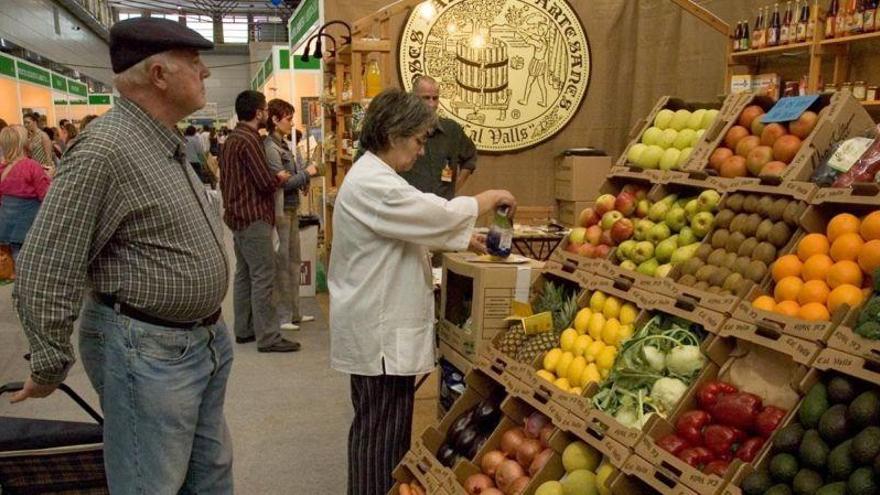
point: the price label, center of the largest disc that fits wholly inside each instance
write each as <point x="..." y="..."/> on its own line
<point x="789" y="108"/>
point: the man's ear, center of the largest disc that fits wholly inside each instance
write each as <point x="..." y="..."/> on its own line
<point x="158" y="73"/>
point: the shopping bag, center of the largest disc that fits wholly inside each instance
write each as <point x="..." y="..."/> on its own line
<point x="7" y="266"/>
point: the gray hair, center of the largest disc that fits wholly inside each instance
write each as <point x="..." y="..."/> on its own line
<point x="423" y="79"/>
<point x="138" y="75"/>
<point x="394" y="114"/>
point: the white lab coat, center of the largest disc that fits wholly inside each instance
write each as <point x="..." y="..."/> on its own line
<point x="381" y="289"/>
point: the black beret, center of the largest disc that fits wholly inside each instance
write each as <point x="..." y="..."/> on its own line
<point x="133" y="40"/>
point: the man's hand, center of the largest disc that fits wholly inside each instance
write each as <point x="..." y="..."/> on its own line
<point x="477" y="244"/>
<point x="282" y="176"/>
<point x="312" y="170"/>
<point x="32" y="390"/>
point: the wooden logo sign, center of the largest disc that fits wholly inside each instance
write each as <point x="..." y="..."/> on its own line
<point x="512" y="72"/>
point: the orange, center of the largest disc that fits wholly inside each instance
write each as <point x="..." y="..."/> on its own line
<point x="814" y="312"/>
<point x="813" y="291"/>
<point x="846" y="247"/>
<point x="845" y="223"/>
<point x="844" y="272"/>
<point x="812" y="244"/>
<point x="869" y="256"/>
<point x="765" y="303"/>
<point x="845" y="294"/>
<point x="788" y="289"/>
<point x="787" y="266"/>
<point x="816" y="267"/>
<point x="787" y="308"/>
<point x="870" y="228"/>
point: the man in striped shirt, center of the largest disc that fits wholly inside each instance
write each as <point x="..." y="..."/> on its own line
<point x="248" y="187"/>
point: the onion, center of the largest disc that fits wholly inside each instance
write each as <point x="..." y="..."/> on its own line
<point x="518" y="487"/>
<point x="527" y="451"/>
<point x="534" y="423"/>
<point x="404" y="489"/>
<point x="477" y="483"/>
<point x="492" y="491"/>
<point x="511" y="439"/>
<point x="508" y="472"/>
<point x="490" y="462"/>
<point x="546" y="432"/>
<point x="539" y="461"/>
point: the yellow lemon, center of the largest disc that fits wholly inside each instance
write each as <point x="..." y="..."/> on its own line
<point x="582" y="319"/>
<point x="567" y="338"/>
<point x="576" y="391"/>
<point x="624" y="333"/>
<point x="591" y="372"/>
<point x="594" y="350"/>
<point x="581" y="344"/>
<point x="604" y="373"/>
<point x="576" y="369"/>
<point x="551" y="359"/>
<point x="605" y="359"/>
<point x="628" y="314"/>
<point x="597" y="322"/>
<point x="564" y="363"/>
<point x="603" y="474"/>
<point x="611" y="308"/>
<point x="563" y="384"/>
<point x="597" y="301"/>
<point x="611" y="332"/>
<point x="546" y="375"/>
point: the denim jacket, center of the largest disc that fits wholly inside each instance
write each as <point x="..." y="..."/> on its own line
<point x="279" y="157"/>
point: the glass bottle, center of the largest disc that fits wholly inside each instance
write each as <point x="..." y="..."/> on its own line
<point x="773" y="32"/>
<point x="803" y="22"/>
<point x="784" y="28"/>
<point x="737" y="37"/>
<point x="870" y="16"/>
<point x="831" y="19"/>
<point x="760" y="34"/>
<point x="499" y="241"/>
<point x="373" y="79"/>
<point x="858" y="17"/>
<point x="746" y="41"/>
<point x="841" y="25"/>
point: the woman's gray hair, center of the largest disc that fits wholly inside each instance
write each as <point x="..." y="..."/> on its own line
<point x="394" y="114"/>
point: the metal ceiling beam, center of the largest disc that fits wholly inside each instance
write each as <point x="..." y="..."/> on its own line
<point x="86" y="18"/>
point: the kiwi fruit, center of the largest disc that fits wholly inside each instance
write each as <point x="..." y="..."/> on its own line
<point x="691" y="266"/>
<point x="714" y="289"/>
<point x="725" y="292"/>
<point x="741" y="264"/>
<point x="764" y="229"/>
<point x="764" y="252"/>
<point x="704" y="251"/>
<point x="778" y="209"/>
<point x="792" y="213"/>
<point x="701" y="285"/>
<point x="719" y="238"/>
<point x="746" y="248"/>
<point x="736" y="225"/>
<point x="717" y="257"/>
<point x="764" y="205"/>
<point x="779" y="234"/>
<point x="756" y="271"/>
<point x="718" y="277"/>
<point x="732" y="282"/>
<point x="723" y="218"/>
<point x="750" y="226"/>
<point x="729" y="261"/>
<point x="735" y="202"/>
<point x="705" y="272"/>
<point x="733" y="241"/>
<point x="688" y="279"/>
<point x="750" y="204"/>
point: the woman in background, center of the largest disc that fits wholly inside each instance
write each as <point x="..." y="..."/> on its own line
<point x="23" y="185"/>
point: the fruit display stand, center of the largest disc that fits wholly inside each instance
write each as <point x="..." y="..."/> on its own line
<point x="631" y="482"/>
<point x="802" y="351"/>
<point x="407" y="474"/>
<point x="655" y="478"/>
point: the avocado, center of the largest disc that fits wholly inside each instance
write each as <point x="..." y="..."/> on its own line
<point x="780" y="489"/>
<point x="877" y="465"/>
<point x="861" y="482"/>
<point x="866" y="445"/>
<point x="813" y="450"/>
<point x="783" y="468"/>
<point x="806" y="482"/>
<point x="833" y="425"/>
<point x="814" y="406"/>
<point x="841" y="390"/>
<point x="838" y="488"/>
<point x="864" y="411"/>
<point x="756" y="483"/>
<point x="840" y="463"/>
<point x="788" y="439"/>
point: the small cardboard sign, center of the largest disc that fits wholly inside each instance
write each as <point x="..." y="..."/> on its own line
<point x="789" y="108"/>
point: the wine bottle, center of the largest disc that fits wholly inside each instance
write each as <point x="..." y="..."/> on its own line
<point x="831" y="19"/>
<point x="746" y="42"/>
<point x="786" y="23"/>
<point x="802" y="23"/>
<point x="774" y="30"/>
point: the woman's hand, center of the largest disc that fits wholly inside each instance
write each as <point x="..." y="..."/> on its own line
<point x="477" y="244"/>
<point x="489" y="200"/>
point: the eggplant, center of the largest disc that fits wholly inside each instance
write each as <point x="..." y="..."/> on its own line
<point x="446" y="455"/>
<point x="476" y="446"/>
<point x="459" y="425"/>
<point x="466" y="440"/>
<point x="486" y="415"/>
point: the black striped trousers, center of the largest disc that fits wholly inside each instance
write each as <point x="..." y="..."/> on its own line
<point x="380" y="432"/>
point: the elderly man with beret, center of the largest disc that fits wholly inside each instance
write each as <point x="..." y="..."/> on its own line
<point x="128" y="218"/>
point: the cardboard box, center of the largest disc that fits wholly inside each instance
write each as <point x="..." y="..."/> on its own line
<point x="798" y="350"/>
<point x="481" y="292"/>
<point x="844" y="338"/>
<point x="568" y="211"/>
<point x="613" y="451"/>
<point x="627" y="484"/>
<point x="404" y="474"/>
<point x="420" y="465"/>
<point x="740" y="83"/>
<point x="769" y="85"/>
<point x="657" y="478"/>
<point x="855" y="366"/>
<point x="578" y="178"/>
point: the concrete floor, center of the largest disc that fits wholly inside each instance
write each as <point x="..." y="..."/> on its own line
<point x="289" y="413"/>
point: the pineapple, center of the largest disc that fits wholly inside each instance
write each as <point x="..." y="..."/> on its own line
<point x="525" y="349"/>
<point x="512" y="340"/>
<point x="535" y="345"/>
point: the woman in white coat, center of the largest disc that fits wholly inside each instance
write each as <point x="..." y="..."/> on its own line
<point x="381" y="290"/>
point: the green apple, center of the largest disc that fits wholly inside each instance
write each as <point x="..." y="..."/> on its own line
<point x="684" y="139"/>
<point x="696" y="119"/>
<point x="663" y="118"/>
<point x="683" y="157"/>
<point x="708" y="118"/>
<point x="676" y="218"/>
<point x="628" y="265"/>
<point x="658" y="211"/>
<point x="635" y="151"/>
<point x="680" y="119"/>
<point x="692" y="208"/>
<point x="701" y="223"/>
<point x="643" y="252"/>
<point x="609" y="218"/>
<point x="667" y="138"/>
<point x="665" y="248"/>
<point x="659" y="232"/>
<point x="650" y="158"/>
<point x="643" y="226"/>
<point x="698" y="136"/>
<point x="651" y="135"/>
<point x="669" y="160"/>
<point x="663" y="270"/>
<point x="670" y="199"/>
<point x="684" y="253"/>
<point x="648" y="267"/>
<point x="625" y="249"/>
<point x="708" y="200"/>
<point x="686" y="237"/>
<point x="642" y="208"/>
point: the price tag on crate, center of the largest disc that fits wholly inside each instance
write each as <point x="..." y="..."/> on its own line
<point x="789" y="108"/>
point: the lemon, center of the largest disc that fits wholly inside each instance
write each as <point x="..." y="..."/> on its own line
<point x="604" y="373"/>
<point x="563" y="384"/>
<point x="576" y="369"/>
<point x="628" y="314"/>
<point x="582" y="319"/>
<point x="546" y="375"/>
<point x="564" y="363"/>
<point x="597" y="301"/>
<point x="625" y="332"/>
<point x="576" y="391"/>
<point x="591" y="372"/>
<point x="597" y="322"/>
<point x="567" y="338"/>
<point x="594" y="350"/>
<point x="581" y="344"/>
<point x="551" y="359"/>
<point x="611" y="332"/>
<point x="603" y="474"/>
<point x="611" y="308"/>
<point x="605" y="359"/>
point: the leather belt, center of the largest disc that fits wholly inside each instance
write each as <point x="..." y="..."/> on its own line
<point x="136" y="314"/>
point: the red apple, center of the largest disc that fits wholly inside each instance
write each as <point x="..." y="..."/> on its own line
<point x="586" y="250"/>
<point x="587" y="218"/>
<point x="771" y="133"/>
<point x="804" y="125"/>
<point x="757" y="158"/>
<point x="622" y="230"/>
<point x="605" y="238"/>
<point x="733" y="136"/>
<point x="594" y="233"/>
<point x="643" y="208"/>
<point x="640" y="192"/>
<point x="601" y="251"/>
<point x="604" y="204"/>
<point x="747" y="144"/>
<point x="749" y="114"/>
<point x="573" y="247"/>
<point x="625" y="203"/>
<point x="786" y="147"/>
<point x="733" y="167"/>
<point x="773" y="169"/>
<point x="718" y="156"/>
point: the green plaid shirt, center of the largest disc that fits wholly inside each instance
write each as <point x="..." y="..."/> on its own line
<point x="125" y="215"/>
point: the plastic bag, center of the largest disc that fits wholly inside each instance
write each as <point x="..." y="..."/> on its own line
<point x="865" y="168"/>
<point x="7" y="266"/>
<point x="839" y="158"/>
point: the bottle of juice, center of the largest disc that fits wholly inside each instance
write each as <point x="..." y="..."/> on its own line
<point x="499" y="241"/>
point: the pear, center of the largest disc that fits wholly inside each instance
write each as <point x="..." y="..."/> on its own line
<point x="684" y="253"/>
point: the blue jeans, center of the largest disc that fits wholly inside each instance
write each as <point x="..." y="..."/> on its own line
<point x="162" y="392"/>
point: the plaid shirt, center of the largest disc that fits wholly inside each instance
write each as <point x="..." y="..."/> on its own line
<point x="247" y="183"/>
<point x="128" y="216"/>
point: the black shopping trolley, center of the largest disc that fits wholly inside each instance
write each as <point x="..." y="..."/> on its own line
<point x="51" y="457"/>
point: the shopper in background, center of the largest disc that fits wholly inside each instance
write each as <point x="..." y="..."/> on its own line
<point x="86" y="121"/>
<point x="3" y="125"/>
<point x="39" y="144"/>
<point x="205" y="137"/>
<point x="248" y="186"/>
<point x="195" y="154"/>
<point x="381" y="291"/>
<point x="54" y="138"/>
<point x="62" y="123"/>
<point x="128" y="218"/>
<point x="23" y="185"/>
<point x="213" y="145"/>
<point x="67" y="132"/>
<point x="287" y="262"/>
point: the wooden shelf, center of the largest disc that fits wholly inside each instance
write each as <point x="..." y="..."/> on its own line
<point x="850" y="39"/>
<point x="871" y="103"/>
<point x="774" y="50"/>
